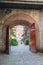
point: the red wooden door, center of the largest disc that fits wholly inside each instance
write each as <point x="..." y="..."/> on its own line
<point x="33" y="38"/>
<point x="7" y="39"/>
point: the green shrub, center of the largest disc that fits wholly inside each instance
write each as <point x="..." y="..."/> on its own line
<point x="26" y="41"/>
<point x="13" y="42"/>
<point x="41" y="50"/>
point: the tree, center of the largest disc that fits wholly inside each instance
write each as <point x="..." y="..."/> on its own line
<point x="12" y="32"/>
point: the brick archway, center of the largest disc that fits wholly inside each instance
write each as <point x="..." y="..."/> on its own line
<point x="19" y="16"/>
<point x="21" y="19"/>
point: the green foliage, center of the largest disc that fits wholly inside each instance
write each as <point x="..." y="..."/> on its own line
<point x="41" y="50"/>
<point x="13" y="42"/>
<point x="26" y="41"/>
<point x="12" y="33"/>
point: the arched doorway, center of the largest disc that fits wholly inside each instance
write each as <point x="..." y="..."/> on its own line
<point x="20" y="19"/>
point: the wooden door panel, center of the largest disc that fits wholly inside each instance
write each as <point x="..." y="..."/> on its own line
<point x="33" y="38"/>
<point x="7" y="39"/>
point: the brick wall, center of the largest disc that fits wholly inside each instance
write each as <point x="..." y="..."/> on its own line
<point x="37" y="15"/>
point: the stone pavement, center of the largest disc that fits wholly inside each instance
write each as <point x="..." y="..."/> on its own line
<point x="20" y="55"/>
